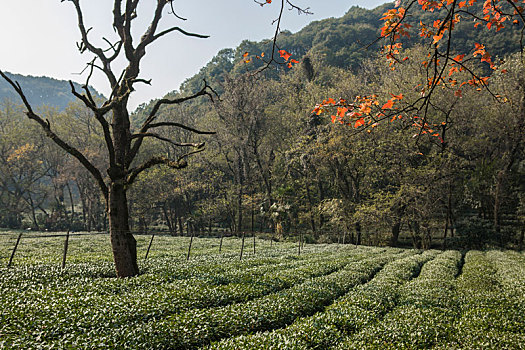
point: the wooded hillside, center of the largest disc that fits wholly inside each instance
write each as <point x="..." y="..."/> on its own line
<point x="275" y="166"/>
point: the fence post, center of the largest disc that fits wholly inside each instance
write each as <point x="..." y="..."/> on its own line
<point x="242" y="246"/>
<point x="220" y="245"/>
<point x="66" y="246"/>
<point x="254" y="242"/>
<point x="300" y="239"/>
<point x="149" y="246"/>
<point x="14" y="249"/>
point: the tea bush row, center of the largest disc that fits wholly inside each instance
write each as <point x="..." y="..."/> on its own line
<point x="352" y="311"/>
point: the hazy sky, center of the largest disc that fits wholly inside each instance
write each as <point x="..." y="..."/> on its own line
<point x="37" y="37"/>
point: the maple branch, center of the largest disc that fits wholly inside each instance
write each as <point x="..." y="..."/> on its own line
<point x="305" y="11"/>
<point x="274" y="41"/>
<point x="56" y="139"/>
<point x="517" y="10"/>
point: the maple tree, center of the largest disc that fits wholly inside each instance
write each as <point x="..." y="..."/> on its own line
<point x="445" y="68"/>
<point x="286" y="56"/>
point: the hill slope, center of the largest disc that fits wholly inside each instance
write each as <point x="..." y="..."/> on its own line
<point x="40" y="91"/>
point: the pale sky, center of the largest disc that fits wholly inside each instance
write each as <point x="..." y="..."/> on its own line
<point x="38" y="37"/>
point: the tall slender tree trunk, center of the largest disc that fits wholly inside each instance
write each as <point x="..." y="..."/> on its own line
<point x="239" y="208"/>
<point x="310" y="206"/>
<point x="358" y="232"/>
<point x="123" y="243"/>
<point x="168" y="220"/>
<point x="33" y="213"/>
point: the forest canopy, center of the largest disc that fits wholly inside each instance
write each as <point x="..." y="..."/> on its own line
<point x="274" y="163"/>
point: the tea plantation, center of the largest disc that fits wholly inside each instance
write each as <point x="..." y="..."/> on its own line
<point x="328" y="297"/>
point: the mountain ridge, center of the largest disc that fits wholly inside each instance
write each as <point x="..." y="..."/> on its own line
<point x="41" y="91"/>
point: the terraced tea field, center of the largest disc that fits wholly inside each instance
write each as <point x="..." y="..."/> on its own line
<point x="329" y="297"/>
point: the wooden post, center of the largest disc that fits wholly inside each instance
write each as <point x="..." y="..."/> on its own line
<point x="254" y="242"/>
<point x="14" y="250"/>
<point x="300" y="244"/>
<point x="220" y="245"/>
<point x="149" y="247"/>
<point x="66" y="246"/>
<point x="242" y="246"/>
<point x="189" y="247"/>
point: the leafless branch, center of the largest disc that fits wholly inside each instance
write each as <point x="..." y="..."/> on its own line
<point x="165" y="139"/>
<point x="148" y="123"/>
<point x="174" y="164"/>
<point x="55" y="138"/>
<point x="174" y="13"/>
<point x="182" y="126"/>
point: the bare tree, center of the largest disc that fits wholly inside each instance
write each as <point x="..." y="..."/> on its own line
<point x="122" y="144"/>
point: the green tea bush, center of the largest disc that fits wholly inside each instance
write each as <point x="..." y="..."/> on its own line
<point x="360" y="306"/>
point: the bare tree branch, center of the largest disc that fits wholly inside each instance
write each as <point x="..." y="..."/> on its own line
<point x="165" y="139"/>
<point x="174" y="164"/>
<point x="205" y="91"/>
<point x="96" y="50"/>
<point x="182" y="126"/>
<point x="180" y="30"/>
<point x="56" y="139"/>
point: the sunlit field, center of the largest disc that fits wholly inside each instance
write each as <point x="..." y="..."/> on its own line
<point x="328" y="297"/>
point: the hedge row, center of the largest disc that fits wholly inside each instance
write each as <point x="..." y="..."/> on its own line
<point x="200" y="327"/>
<point x="68" y="306"/>
<point x="488" y="318"/>
<point x="426" y="311"/>
<point x="359" y="307"/>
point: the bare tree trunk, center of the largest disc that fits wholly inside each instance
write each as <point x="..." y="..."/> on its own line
<point x="238" y="227"/>
<point x="253" y="218"/>
<point x="181" y="226"/>
<point x="191" y="243"/>
<point x="123" y="243"/>
<point x="358" y="233"/>
<point x="168" y="220"/>
<point x="33" y="213"/>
